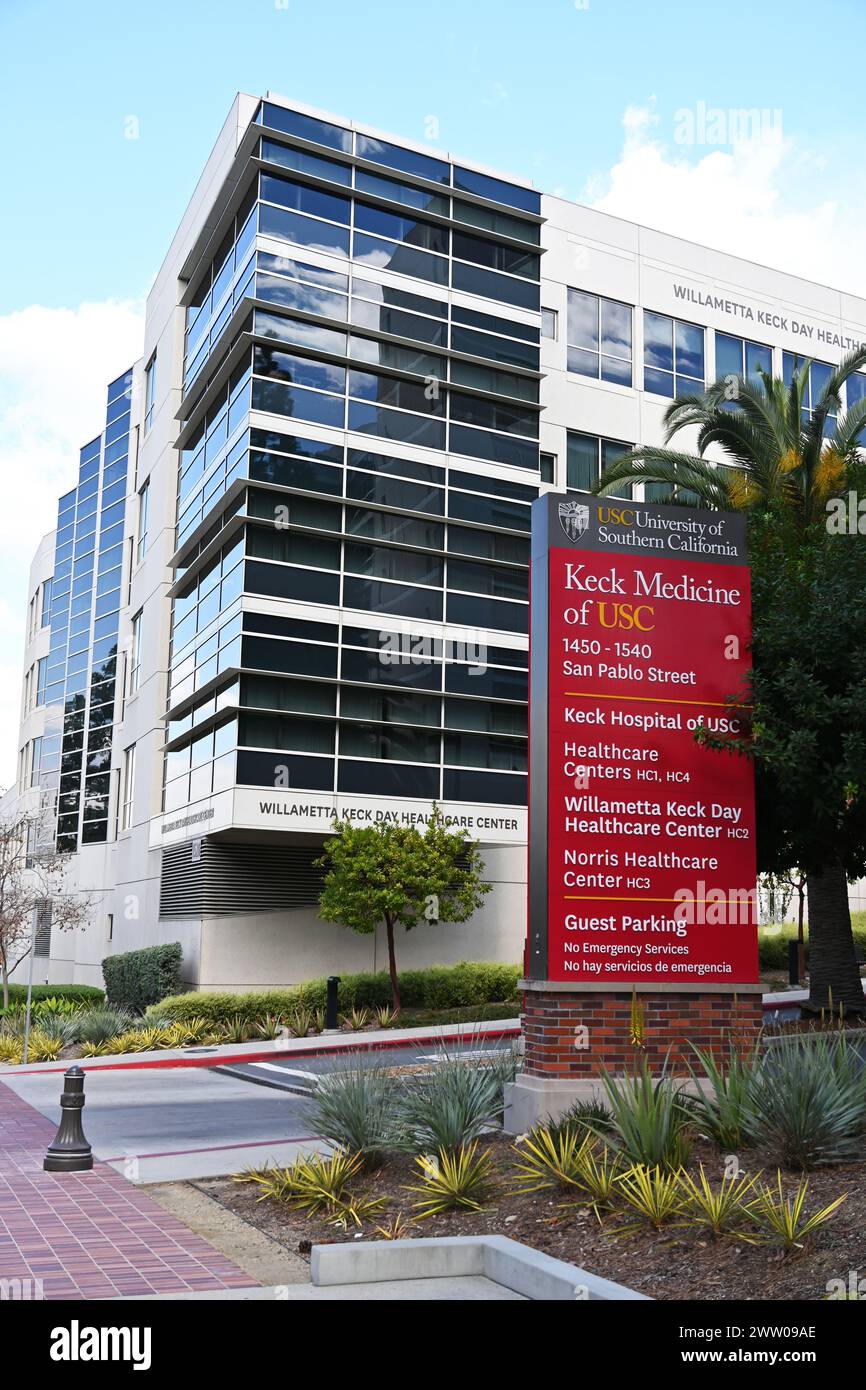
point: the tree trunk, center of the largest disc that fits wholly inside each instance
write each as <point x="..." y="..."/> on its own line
<point x="834" y="979"/>
<point x="5" y="974"/>
<point x="801" y="936"/>
<point x="392" y="964"/>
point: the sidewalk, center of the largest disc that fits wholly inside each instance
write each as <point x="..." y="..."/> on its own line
<point x="91" y="1235"/>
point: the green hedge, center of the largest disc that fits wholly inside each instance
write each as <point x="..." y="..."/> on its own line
<point x="773" y="942"/>
<point x="136" y="979"/>
<point x="78" y="994"/>
<point x="439" y="987"/>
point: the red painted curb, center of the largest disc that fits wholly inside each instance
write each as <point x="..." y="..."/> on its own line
<point x="264" y="1056"/>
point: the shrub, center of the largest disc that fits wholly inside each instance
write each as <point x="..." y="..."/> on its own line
<point x="651" y="1119"/>
<point x="548" y="1161"/>
<point x="784" y="1218"/>
<point x="773" y="942"/>
<point x="101" y="1025"/>
<point x="655" y="1196"/>
<point x="807" y="1098"/>
<point x="136" y="979"/>
<point x="725" y="1210"/>
<point x="438" y="987"/>
<point x="449" y="1106"/>
<point x="355" y="1108"/>
<point x="721" y="1111"/>
<point x="583" y="1117"/>
<point x="87" y="995"/>
<point x="453" y="1180"/>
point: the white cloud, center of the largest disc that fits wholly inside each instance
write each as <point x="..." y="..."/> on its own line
<point x="55" y="366"/>
<point x="758" y="198"/>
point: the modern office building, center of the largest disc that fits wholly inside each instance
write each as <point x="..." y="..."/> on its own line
<point x="292" y="581"/>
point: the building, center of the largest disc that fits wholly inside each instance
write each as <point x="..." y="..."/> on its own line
<point x="362" y="361"/>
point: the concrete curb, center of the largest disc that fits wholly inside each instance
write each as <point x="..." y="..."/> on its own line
<point x="507" y="1262"/>
<point x="224" y="1053"/>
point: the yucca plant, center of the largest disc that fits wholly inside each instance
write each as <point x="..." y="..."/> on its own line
<point x="721" y="1110"/>
<point x="101" y="1024"/>
<point x="807" y="1100"/>
<point x="185" y="1032"/>
<point x="397" y="1228"/>
<point x="153" y="1039"/>
<point x="651" y="1119"/>
<point x="43" y="1048"/>
<point x="356" y="1020"/>
<point x="385" y="1017"/>
<point x="458" y="1180"/>
<point x="11" y="1051"/>
<point x="94" y="1049"/>
<point x="448" y="1107"/>
<point x="318" y="1020"/>
<point x="354" y="1211"/>
<point x="583" y="1117"/>
<point x="300" y="1021"/>
<point x="320" y="1183"/>
<point x="124" y="1042"/>
<point x="599" y="1175"/>
<point x="655" y="1196"/>
<point x="60" y="1026"/>
<point x="356" y="1108"/>
<point x="784" y="1218"/>
<point x="548" y="1161"/>
<point x="725" y="1210"/>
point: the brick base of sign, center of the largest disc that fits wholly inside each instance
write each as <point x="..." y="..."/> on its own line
<point x="575" y="1034"/>
<point x="571" y="1033"/>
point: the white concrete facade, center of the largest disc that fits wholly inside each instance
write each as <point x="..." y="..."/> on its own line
<point x="584" y="250"/>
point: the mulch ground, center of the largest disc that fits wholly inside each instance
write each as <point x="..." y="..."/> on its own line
<point x="671" y="1264"/>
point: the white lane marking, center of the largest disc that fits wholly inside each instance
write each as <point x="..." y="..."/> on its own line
<point x="285" y="1071"/>
<point x="459" y="1054"/>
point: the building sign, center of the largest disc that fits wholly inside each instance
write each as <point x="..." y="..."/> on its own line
<point x="642" y="842"/>
<point x="281" y="809"/>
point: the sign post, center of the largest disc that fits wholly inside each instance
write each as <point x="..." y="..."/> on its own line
<point x="642" y="883"/>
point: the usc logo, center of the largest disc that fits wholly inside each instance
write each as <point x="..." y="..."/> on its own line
<point x="617" y="516"/>
<point x="626" y="616"/>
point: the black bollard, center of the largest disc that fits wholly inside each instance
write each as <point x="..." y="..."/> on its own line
<point x="793" y="963"/>
<point x="331" y="1018"/>
<point x="69" y="1151"/>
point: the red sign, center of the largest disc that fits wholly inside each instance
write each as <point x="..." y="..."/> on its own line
<point x="650" y="837"/>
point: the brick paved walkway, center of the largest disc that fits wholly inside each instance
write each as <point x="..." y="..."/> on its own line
<point x="90" y="1235"/>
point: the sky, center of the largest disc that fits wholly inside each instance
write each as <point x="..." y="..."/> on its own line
<point x="108" y="112"/>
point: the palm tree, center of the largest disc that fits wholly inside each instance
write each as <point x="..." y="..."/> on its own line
<point x="774" y="457"/>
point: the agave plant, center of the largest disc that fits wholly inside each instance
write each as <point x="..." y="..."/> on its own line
<point x="385" y="1017"/>
<point x="458" y="1179"/>
<point x="356" y="1020"/>
<point x="356" y="1108"/>
<point x="397" y="1228"/>
<point x="784" y="1219"/>
<point x="236" y="1030"/>
<point x="301" y="1020"/>
<point x="11" y="1051"/>
<point x="651" y="1118"/>
<point x="807" y="1101"/>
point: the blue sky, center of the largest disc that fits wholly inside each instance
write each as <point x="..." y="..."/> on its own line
<point x="537" y="88"/>
<point x="585" y="99"/>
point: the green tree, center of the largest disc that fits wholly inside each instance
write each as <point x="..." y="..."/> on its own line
<point x="398" y="875"/>
<point x="785" y="467"/>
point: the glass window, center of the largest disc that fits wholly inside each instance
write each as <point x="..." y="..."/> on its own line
<point x="149" y="392"/>
<point x="599" y="336"/>
<point x="135" y="653"/>
<point x="141" y="544"/>
<point x="673" y="356"/>
<point x="127" y="788"/>
<point x="588" y="457"/>
<point x="819" y="375"/>
<point x="549" y="323"/>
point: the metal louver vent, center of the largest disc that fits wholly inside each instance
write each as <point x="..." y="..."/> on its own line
<point x="42" y="945"/>
<point x="224" y="879"/>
